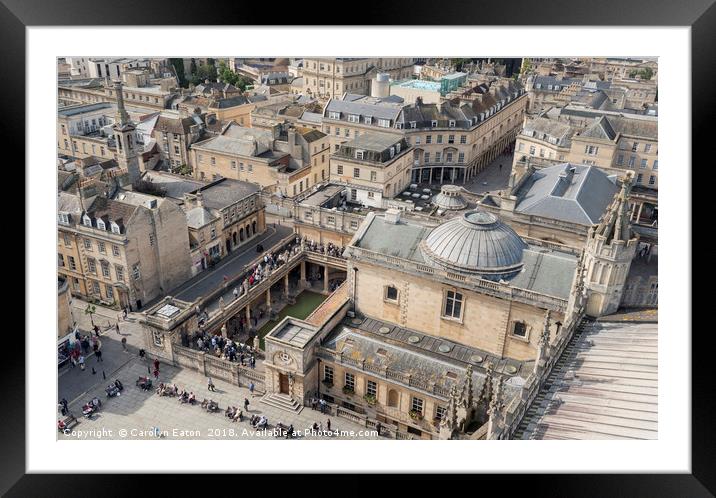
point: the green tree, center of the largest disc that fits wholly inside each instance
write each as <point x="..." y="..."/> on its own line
<point x="178" y="65"/>
<point x="206" y="72"/>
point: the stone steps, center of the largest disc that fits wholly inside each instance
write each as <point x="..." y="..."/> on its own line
<point x="282" y="402"/>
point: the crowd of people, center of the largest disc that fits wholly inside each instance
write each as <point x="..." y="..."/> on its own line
<point x="224" y="348"/>
<point x="79" y="348"/>
<point x="330" y="249"/>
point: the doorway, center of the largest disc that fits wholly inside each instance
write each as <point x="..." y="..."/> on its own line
<point x="283" y="383"/>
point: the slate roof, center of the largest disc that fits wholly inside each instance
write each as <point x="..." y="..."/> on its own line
<point x="546" y="271"/>
<point x="580" y="198"/>
<point x="312" y="117"/>
<point x="601" y="129"/>
<point x="82" y="108"/>
<point x="175" y="125"/>
<point x="424" y="361"/>
<point x="225" y="192"/>
<point x="199" y="217"/>
<point x="550" y="127"/>
<point x="174" y="185"/>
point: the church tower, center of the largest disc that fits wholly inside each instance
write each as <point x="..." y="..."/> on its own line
<point x="124" y="134"/>
<point x="608" y="255"/>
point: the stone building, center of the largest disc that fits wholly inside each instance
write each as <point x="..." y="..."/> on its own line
<point x="328" y="77"/>
<point x="451" y="141"/>
<point x="284" y="158"/>
<point x="125" y="250"/>
<point x="221" y="217"/>
<point x="426" y="308"/>
<point x="374" y="166"/>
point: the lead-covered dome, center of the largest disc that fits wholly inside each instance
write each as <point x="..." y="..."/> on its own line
<point x="476" y="242"/>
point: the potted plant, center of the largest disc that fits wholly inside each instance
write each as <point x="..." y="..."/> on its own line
<point x="415" y="415"/>
<point x="348" y="390"/>
<point x="370" y="399"/>
<point x="327" y="382"/>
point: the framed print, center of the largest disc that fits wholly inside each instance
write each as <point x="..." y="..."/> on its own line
<point x="438" y="232"/>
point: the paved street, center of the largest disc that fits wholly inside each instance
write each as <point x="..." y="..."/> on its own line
<point x="230" y="266"/>
<point x="146" y="415"/>
<point x="492" y="178"/>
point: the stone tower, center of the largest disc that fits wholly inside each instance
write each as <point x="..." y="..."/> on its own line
<point x="608" y="255"/>
<point x="124" y="134"/>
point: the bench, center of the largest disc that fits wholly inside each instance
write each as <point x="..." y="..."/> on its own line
<point x="282" y="429"/>
<point x="70" y="421"/>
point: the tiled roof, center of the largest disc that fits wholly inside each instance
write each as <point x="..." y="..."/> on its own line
<point x="580" y="197"/>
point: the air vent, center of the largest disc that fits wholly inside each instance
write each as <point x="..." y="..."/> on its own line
<point x="476" y="358"/>
<point x="444" y="348"/>
<point x="384" y="330"/>
<point x="413" y="339"/>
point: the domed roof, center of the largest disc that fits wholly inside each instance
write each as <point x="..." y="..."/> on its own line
<point x="449" y="198"/>
<point x="476" y="242"/>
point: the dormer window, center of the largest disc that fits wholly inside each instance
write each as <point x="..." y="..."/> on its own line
<point x="334" y="115"/>
<point x="385" y="123"/>
<point x="64" y="218"/>
<point x="86" y="221"/>
<point x="100" y="224"/>
<point x="354" y="118"/>
<point x="392" y="151"/>
<point x="115" y="227"/>
<point x="413" y="124"/>
<point x="359" y="154"/>
<point x="397" y="148"/>
<point x="367" y="119"/>
<point x="452" y="123"/>
<point x="434" y="124"/>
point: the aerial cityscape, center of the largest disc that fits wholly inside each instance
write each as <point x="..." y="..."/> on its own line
<point x="357" y="248"/>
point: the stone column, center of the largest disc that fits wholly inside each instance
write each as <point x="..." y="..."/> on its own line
<point x="325" y="278"/>
<point x="248" y="315"/>
<point x="285" y="286"/>
<point x="304" y="283"/>
<point x="268" y="300"/>
<point x="638" y="216"/>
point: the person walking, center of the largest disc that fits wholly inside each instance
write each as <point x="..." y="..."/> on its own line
<point x="98" y="354"/>
<point x="246" y="404"/>
<point x="156" y="374"/>
<point x="251" y="388"/>
<point x="378" y="427"/>
<point x="328" y="424"/>
<point x="322" y="402"/>
<point x="210" y="385"/>
<point x="81" y="361"/>
<point x="124" y="344"/>
<point x="116" y="327"/>
<point x="156" y="364"/>
<point x="124" y="312"/>
<point x="96" y="331"/>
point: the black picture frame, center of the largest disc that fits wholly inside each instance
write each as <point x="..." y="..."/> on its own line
<point x="700" y="15"/>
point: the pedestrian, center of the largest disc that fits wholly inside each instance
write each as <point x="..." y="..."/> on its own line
<point x="156" y="374"/>
<point x="210" y="385"/>
<point x="141" y="353"/>
<point x="96" y="331"/>
<point x="246" y="404"/>
<point x="124" y="312"/>
<point x="328" y="424"/>
<point x="314" y="403"/>
<point x="500" y="166"/>
<point x="378" y="427"/>
<point x="116" y="327"/>
<point x="251" y="388"/>
<point x="81" y="361"/>
<point x="156" y="364"/>
<point x="124" y="344"/>
<point x="98" y="354"/>
<point x="253" y="361"/>
<point x="94" y="372"/>
<point x="236" y="292"/>
<point x="322" y="403"/>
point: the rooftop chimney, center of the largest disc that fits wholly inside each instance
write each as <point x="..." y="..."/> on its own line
<point x="392" y="216"/>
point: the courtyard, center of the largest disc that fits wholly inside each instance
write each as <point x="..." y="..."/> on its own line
<point x="138" y="414"/>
